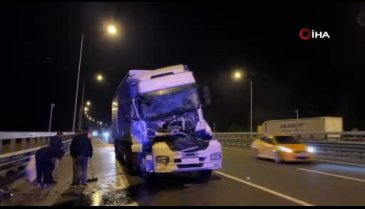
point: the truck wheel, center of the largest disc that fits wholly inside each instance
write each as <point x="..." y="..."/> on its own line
<point x="205" y="175"/>
<point x="147" y="176"/>
<point x="118" y="156"/>
<point x="117" y="151"/>
<point x="126" y="160"/>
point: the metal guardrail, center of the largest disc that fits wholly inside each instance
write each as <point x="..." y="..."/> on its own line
<point x="18" y="159"/>
<point x="15" y="141"/>
<point x="346" y="136"/>
<point x="324" y="146"/>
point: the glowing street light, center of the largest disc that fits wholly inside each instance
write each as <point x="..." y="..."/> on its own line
<point x="112" y="29"/>
<point x="99" y="77"/>
<point x="88" y="103"/>
<point x="237" y="75"/>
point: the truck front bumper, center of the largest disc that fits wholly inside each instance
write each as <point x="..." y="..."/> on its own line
<point x="208" y="159"/>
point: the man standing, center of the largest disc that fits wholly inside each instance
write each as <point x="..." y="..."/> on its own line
<point x="81" y="149"/>
<point x="56" y="146"/>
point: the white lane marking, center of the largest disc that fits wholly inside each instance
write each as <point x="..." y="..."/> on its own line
<point x="247" y="151"/>
<point x="334" y="175"/>
<point x="300" y="202"/>
<point x="339" y="162"/>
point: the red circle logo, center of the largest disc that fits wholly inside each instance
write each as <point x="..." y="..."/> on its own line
<point x="305" y="34"/>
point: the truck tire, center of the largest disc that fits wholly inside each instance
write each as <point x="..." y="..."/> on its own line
<point x="205" y="175"/>
<point x="117" y="150"/>
<point x="126" y="159"/>
<point x="147" y="176"/>
<point x="118" y="155"/>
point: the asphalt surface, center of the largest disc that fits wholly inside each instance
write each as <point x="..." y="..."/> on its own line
<point x="243" y="180"/>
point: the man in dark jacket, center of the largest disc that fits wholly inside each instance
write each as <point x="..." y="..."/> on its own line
<point x="81" y="149"/>
<point x="45" y="163"/>
<point x="56" y="146"/>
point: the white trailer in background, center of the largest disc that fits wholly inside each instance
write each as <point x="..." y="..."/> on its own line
<point x="310" y="128"/>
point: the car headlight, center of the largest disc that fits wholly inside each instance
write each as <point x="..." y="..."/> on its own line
<point x="216" y="156"/>
<point x="162" y="159"/>
<point x="311" y="149"/>
<point x="285" y="149"/>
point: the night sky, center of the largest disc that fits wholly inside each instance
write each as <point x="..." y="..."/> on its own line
<point x="321" y="77"/>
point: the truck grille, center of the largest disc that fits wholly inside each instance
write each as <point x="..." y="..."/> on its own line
<point x="190" y="165"/>
<point x="179" y="160"/>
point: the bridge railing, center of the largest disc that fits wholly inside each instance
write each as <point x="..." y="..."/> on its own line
<point x="342" y="144"/>
<point x="18" y="147"/>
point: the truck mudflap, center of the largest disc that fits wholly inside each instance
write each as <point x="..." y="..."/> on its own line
<point x="164" y="160"/>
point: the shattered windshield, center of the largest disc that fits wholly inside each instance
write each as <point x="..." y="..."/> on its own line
<point x="168" y="102"/>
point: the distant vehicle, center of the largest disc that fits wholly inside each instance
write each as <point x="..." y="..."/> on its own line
<point x="158" y="124"/>
<point x="308" y="128"/>
<point x="282" y="148"/>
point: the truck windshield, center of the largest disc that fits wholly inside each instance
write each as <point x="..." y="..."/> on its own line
<point x="169" y="102"/>
<point x="286" y="140"/>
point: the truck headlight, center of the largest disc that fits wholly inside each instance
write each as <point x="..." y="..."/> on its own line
<point x="311" y="149"/>
<point x="285" y="149"/>
<point x="216" y="156"/>
<point x="162" y="159"/>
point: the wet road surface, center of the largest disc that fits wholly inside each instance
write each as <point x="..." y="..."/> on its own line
<point x="242" y="181"/>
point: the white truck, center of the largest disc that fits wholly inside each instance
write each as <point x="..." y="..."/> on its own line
<point x="308" y="128"/>
<point x="158" y="124"/>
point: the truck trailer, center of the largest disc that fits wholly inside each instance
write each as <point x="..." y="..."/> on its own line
<point x="305" y="127"/>
<point x="158" y="124"/>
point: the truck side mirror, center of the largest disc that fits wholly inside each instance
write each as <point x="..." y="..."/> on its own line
<point x="204" y="95"/>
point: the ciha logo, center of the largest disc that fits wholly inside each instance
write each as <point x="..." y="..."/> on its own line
<point x="308" y="34"/>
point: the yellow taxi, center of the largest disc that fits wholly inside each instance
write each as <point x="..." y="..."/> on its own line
<point x="282" y="148"/>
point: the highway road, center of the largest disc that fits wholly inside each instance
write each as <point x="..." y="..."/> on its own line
<point x="243" y="180"/>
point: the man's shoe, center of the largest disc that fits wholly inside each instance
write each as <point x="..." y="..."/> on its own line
<point x="53" y="182"/>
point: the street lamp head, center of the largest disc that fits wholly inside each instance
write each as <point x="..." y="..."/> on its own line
<point x="88" y="103"/>
<point x="86" y="109"/>
<point x="99" y="77"/>
<point x="112" y="29"/>
<point x="237" y="75"/>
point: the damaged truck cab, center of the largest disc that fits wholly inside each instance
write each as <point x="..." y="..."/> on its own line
<point x="158" y="124"/>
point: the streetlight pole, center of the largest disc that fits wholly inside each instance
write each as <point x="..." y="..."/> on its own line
<point x="99" y="78"/>
<point x="112" y="29"/>
<point x="297" y="112"/>
<point x="82" y="105"/>
<point x="237" y="76"/>
<point x="50" y="117"/>
<point x="77" y="84"/>
<point x="251" y="105"/>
